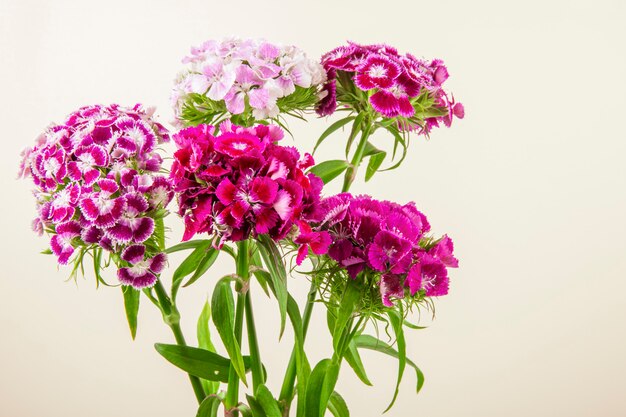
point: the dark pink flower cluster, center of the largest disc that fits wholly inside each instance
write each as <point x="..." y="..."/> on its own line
<point x="393" y="80"/>
<point x="240" y="183"/>
<point x="97" y="185"/>
<point x="389" y="240"/>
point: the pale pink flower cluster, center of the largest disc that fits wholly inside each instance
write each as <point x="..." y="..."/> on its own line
<point x="245" y="74"/>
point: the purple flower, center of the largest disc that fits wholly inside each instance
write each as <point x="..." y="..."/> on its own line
<point x="97" y="182"/>
<point x="143" y="271"/>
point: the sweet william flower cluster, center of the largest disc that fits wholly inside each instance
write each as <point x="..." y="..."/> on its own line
<point x="240" y="182"/>
<point x="98" y="186"/>
<point x="388" y="240"/>
<point x="238" y="76"/>
<point x="393" y="83"/>
<point x="101" y="188"/>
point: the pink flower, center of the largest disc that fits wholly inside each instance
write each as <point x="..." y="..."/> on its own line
<point x="377" y="71"/>
<point x="61" y="243"/>
<point x="246" y="185"/>
<point x="307" y="238"/>
<point x="387" y="240"/>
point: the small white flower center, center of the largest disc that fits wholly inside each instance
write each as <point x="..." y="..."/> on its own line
<point x="377" y="71"/>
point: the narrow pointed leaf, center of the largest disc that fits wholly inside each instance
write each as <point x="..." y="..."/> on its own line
<point x="205" y="263"/>
<point x="372" y="343"/>
<point x="222" y="305"/>
<point x="131" y="305"/>
<point x="320" y="387"/>
<point x="191" y="244"/>
<point x="198" y="362"/>
<point x="396" y="324"/>
<point x="353" y="358"/>
<point x="334" y="127"/>
<point x="188" y="266"/>
<point x="356" y="128"/>
<point x="348" y="306"/>
<point x="337" y="405"/>
<point x="209" y="406"/>
<point x="267" y="402"/>
<point x="278" y="276"/>
<point x="204" y="342"/>
<point x="329" y="170"/>
<point x="374" y="163"/>
<point x="255" y="407"/>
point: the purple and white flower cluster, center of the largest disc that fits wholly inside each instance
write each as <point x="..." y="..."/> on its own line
<point x="98" y="186"/>
<point x="245" y="74"/>
<point x="393" y="82"/>
<point x="388" y="240"/>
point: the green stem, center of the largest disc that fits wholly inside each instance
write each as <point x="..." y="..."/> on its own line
<point x="255" y="354"/>
<point x="357" y="157"/>
<point x="171" y="317"/>
<point x="243" y="271"/>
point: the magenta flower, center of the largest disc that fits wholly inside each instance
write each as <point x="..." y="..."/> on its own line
<point x="240" y="183"/>
<point x="318" y="242"/>
<point x="390" y="83"/>
<point x="97" y="181"/>
<point x="389" y="241"/>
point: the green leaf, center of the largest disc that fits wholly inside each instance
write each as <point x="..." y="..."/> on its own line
<point x="353" y="358"/>
<point x="374" y="163"/>
<point x="337" y="405"/>
<point x="334" y="127"/>
<point x="396" y="324"/>
<point x="303" y="369"/>
<point x="204" y="342"/>
<point x="320" y="387"/>
<point x="356" y="128"/>
<point x="267" y="401"/>
<point x="191" y="244"/>
<point x="159" y="232"/>
<point x="372" y="343"/>
<point x="209" y="406"/>
<point x="398" y="140"/>
<point x="131" y="305"/>
<point x="195" y="361"/>
<point x="262" y="276"/>
<point x="223" y="307"/>
<point x="278" y="275"/>
<point x="329" y="170"/>
<point x="255" y="407"/>
<point x="347" y="307"/>
<point x="188" y="266"/>
<point x="205" y="263"/>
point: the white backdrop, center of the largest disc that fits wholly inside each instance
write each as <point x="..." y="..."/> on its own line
<point x="531" y="186"/>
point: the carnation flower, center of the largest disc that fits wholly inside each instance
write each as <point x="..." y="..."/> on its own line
<point x="394" y="85"/>
<point x="388" y="241"/>
<point x="240" y="183"/>
<point x="248" y="78"/>
<point x="97" y="185"/>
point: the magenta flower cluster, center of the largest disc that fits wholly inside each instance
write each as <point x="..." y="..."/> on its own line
<point x="245" y="72"/>
<point x="240" y="183"/>
<point x="387" y="239"/>
<point x="393" y="80"/>
<point x="98" y="185"/>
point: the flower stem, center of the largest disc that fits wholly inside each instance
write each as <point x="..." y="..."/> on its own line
<point x="171" y="317"/>
<point x="357" y="157"/>
<point x="243" y="271"/>
<point x="255" y="355"/>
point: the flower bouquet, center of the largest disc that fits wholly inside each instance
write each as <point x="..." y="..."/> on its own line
<point x="102" y="194"/>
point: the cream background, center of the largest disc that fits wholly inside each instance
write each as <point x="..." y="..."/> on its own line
<point x="531" y="186"/>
